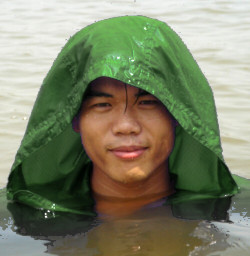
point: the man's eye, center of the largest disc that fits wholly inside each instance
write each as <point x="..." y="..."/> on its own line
<point x="102" y="105"/>
<point x="148" y="102"/>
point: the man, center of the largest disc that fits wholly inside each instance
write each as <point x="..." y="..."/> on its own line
<point x="129" y="154"/>
<point x="144" y="118"/>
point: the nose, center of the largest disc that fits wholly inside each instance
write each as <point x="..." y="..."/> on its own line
<point x="126" y="123"/>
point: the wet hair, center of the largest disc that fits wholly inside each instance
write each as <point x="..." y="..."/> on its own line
<point x="88" y="94"/>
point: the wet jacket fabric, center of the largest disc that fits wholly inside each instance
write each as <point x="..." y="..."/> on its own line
<point x="51" y="169"/>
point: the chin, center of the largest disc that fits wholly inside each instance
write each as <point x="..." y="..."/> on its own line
<point x="134" y="175"/>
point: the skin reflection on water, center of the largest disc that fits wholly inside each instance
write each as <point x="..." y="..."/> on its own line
<point x="149" y="232"/>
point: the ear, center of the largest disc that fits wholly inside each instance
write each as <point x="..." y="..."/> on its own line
<point x="75" y="124"/>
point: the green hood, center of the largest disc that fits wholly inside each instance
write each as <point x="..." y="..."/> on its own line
<point x="51" y="169"/>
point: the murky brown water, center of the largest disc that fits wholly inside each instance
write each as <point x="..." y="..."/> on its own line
<point x="218" y="34"/>
<point x="156" y="230"/>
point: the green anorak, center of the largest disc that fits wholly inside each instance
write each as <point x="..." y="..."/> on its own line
<point x="51" y="169"/>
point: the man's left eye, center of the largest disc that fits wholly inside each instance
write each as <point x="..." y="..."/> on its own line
<point x="148" y="102"/>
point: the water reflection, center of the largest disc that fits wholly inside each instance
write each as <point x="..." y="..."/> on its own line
<point x="150" y="231"/>
<point x="207" y="227"/>
<point x="132" y="237"/>
<point x="146" y="233"/>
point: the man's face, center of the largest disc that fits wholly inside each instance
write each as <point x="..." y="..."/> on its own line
<point x="127" y="133"/>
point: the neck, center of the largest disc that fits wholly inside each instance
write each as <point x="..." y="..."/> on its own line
<point x="112" y="196"/>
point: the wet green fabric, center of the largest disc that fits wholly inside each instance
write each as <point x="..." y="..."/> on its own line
<point x="51" y="169"/>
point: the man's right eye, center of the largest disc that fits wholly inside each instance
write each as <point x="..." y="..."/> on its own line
<point x="102" y="105"/>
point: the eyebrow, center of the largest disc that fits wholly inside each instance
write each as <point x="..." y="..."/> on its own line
<point x="93" y="93"/>
<point x="141" y="93"/>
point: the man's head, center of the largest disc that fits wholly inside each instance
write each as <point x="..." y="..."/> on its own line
<point x="127" y="133"/>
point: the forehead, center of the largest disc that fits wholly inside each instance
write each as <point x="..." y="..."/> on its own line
<point x="102" y="81"/>
<point x="112" y="86"/>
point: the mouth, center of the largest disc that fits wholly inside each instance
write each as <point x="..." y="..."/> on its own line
<point x="128" y="152"/>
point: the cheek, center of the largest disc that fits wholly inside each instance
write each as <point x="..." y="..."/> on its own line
<point x="87" y="145"/>
<point x="165" y="136"/>
<point x="89" y="136"/>
<point x="168" y="143"/>
<point x="93" y="131"/>
<point x="93" y="147"/>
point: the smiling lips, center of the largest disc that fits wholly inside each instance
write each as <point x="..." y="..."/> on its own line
<point x="128" y="152"/>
